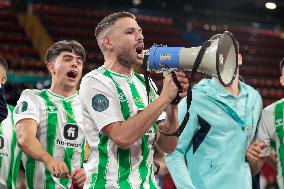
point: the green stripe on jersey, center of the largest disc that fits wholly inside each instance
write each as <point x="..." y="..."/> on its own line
<point x="51" y="134"/>
<point x="30" y="172"/>
<point x="123" y="156"/>
<point x="100" y="182"/>
<point x="68" y="152"/>
<point x="16" y="169"/>
<point x="279" y="124"/>
<point x="145" y="150"/>
<point x="12" y="150"/>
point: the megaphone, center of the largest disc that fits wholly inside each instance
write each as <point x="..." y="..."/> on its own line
<point x="220" y="58"/>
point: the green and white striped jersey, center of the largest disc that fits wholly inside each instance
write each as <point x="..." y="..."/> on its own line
<point x="267" y="133"/>
<point x="108" y="97"/>
<point x="10" y="153"/>
<point x="60" y="132"/>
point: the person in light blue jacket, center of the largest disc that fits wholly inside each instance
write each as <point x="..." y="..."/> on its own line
<point x="211" y="153"/>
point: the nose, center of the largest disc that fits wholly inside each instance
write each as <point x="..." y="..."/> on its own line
<point x="140" y="36"/>
<point x="74" y="63"/>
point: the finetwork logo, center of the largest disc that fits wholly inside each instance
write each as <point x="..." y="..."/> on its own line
<point x="71" y="131"/>
<point x="69" y="144"/>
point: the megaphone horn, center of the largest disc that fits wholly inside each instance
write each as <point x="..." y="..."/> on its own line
<point x="220" y="58"/>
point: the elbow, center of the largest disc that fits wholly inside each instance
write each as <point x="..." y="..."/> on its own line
<point x="21" y="140"/>
<point x="121" y="142"/>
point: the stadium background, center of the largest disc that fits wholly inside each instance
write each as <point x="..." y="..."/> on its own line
<point x="28" y="27"/>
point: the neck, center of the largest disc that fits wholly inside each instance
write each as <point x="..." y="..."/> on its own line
<point x="62" y="91"/>
<point x="234" y="88"/>
<point x="117" y="67"/>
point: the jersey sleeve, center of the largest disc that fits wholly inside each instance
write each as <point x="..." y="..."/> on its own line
<point x="100" y="99"/>
<point x="27" y="107"/>
<point x="266" y="131"/>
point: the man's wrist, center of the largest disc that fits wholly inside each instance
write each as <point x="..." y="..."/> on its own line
<point x="45" y="157"/>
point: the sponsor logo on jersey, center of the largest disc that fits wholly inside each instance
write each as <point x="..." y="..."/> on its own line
<point x="1" y="142"/>
<point x="68" y="144"/>
<point x="3" y="148"/>
<point x="100" y="102"/>
<point x="71" y="131"/>
<point x="22" y="107"/>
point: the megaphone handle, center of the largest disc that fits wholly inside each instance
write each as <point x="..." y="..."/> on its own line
<point x="178" y="98"/>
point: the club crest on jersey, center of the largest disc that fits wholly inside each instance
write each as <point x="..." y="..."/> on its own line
<point x="22" y="107"/>
<point x="100" y="102"/>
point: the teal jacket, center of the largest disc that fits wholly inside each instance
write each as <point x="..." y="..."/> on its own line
<point x="212" y="148"/>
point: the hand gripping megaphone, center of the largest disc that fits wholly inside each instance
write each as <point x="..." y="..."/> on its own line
<point x="219" y="58"/>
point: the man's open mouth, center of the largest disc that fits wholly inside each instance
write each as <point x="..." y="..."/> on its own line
<point x="72" y="74"/>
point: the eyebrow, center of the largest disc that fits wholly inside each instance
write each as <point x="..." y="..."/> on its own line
<point x="133" y="28"/>
<point x="71" y="56"/>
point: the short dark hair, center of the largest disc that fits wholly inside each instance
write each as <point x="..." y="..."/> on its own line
<point x="110" y="20"/>
<point x="66" y="45"/>
<point x="4" y="64"/>
<point x="281" y="63"/>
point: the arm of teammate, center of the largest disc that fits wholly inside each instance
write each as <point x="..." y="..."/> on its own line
<point x="26" y="137"/>
<point x="254" y="158"/>
<point x="78" y="177"/>
<point x="257" y="152"/>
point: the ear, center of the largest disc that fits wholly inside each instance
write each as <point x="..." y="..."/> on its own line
<point x="3" y="80"/>
<point x="107" y="43"/>
<point x="282" y="80"/>
<point x="240" y="59"/>
<point x="50" y="67"/>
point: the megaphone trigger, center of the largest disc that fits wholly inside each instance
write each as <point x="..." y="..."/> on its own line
<point x="178" y="98"/>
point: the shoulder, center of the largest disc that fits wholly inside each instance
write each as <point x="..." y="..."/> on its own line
<point x="201" y="88"/>
<point x="95" y="74"/>
<point x="30" y="92"/>
<point x="270" y="109"/>
<point x="250" y="89"/>
<point x="95" y="79"/>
